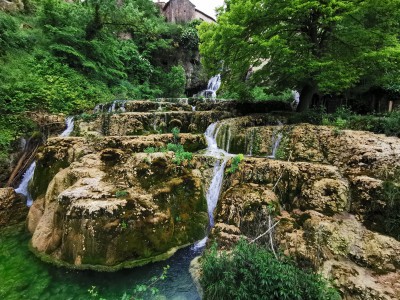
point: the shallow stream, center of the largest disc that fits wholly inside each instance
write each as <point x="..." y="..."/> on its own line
<point x="24" y="276"/>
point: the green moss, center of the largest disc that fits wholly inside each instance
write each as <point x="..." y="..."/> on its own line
<point x="46" y="168"/>
<point x="101" y="268"/>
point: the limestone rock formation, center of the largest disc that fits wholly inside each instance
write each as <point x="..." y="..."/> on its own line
<point x="12" y="5"/>
<point x="104" y="200"/>
<point x="13" y="207"/>
<point x="112" y="209"/>
<point x="327" y="200"/>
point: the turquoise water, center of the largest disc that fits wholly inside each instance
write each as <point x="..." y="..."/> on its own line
<point x="24" y="276"/>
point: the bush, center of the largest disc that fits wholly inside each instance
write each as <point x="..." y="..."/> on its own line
<point x="313" y="116"/>
<point x="121" y="194"/>
<point x="251" y="272"/>
<point x="235" y="163"/>
<point x="150" y="150"/>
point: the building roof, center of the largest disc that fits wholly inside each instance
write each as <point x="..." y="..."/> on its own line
<point x="203" y="13"/>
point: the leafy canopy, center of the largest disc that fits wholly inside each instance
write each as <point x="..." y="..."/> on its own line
<point x="312" y="46"/>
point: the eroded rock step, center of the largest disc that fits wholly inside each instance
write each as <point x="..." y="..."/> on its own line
<point x="139" y="123"/>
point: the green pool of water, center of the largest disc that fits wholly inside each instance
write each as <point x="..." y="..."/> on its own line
<point x="24" y="276"/>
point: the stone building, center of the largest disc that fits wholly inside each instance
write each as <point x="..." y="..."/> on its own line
<point x="182" y="11"/>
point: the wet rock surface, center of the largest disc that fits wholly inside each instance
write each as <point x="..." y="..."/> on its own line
<point x="13" y="207"/>
<point x="327" y="194"/>
<point x="102" y="202"/>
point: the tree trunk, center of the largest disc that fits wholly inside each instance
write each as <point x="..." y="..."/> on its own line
<point x="306" y="96"/>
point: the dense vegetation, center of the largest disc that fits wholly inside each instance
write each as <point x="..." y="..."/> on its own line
<point x="344" y="118"/>
<point x="315" y="47"/>
<point x="251" y="272"/>
<point x="59" y="56"/>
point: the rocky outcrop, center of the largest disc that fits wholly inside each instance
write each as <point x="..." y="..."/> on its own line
<point x="13" y="207"/>
<point x="326" y="201"/>
<point x="112" y="209"/>
<point x="12" y="5"/>
<point x="104" y="200"/>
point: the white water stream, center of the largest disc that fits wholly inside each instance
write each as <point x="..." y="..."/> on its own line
<point x="214" y="190"/>
<point x="212" y="87"/>
<point x="23" y="187"/>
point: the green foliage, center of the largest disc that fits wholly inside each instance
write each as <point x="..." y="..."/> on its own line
<point x="175" y="147"/>
<point x="311" y="46"/>
<point x="259" y="94"/>
<point x="121" y="194"/>
<point x="182" y="156"/>
<point x="174" y="82"/>
<point x="314" y="116"/>
<point x="391" y="210"/>
<point x="67" y="56"/>
<point x="175" y="133"/>
<point x="85" y="117"/>
<point x="235" y="163"/>
<point x="150" y="150"/>
<point x="251" y="272"/>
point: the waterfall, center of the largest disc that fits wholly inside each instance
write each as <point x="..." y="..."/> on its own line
<point x="275" y="144"/>
<point x="276" y="141"/>
<point x="117" y="106"/>
<point x="252" y="133"/>
<point x="23" y="187"/>
<point x="212" y="87"/>
<point x="214" y="190"/>
<point x="69" y="122"/>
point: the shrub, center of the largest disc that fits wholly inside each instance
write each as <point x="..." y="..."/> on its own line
<point x="181" y="156"/>
<point x="150" y="150"/>
<point x="251" y="272"/>
<point x="235" y="163"/>
<point x="121" y="194"/>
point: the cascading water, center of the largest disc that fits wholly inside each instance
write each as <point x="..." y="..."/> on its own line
<point x="23" y="187"/>
<point x="212" y="87"/>
<point x="70" y="127"/>
<point x="214" y="190"/>
<point x="276" y="141"/>
<point x="116" y="106"/>
<point x="275" y="144"/>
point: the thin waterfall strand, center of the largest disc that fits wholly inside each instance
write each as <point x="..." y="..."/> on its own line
<point x="23" y="187"/>
<point x="70" y="127"/>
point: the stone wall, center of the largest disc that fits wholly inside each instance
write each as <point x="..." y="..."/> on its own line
<point x="179" y="11"/>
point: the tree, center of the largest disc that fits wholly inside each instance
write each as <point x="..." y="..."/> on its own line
<point x="317" y="46"/>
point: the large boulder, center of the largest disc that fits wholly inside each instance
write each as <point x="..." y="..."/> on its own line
<point x="112" y="208"/>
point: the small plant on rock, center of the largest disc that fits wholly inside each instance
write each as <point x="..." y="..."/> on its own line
<point x="150" y="150"/>
<point x="121" y="194"/>
<point x="235" y="163"/>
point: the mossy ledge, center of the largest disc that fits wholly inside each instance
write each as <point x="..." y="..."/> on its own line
<point x="101" y="268"/>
